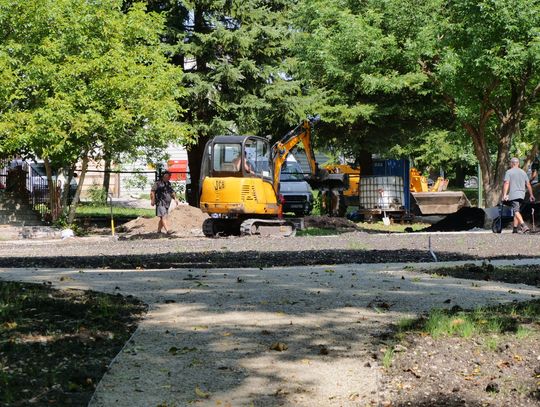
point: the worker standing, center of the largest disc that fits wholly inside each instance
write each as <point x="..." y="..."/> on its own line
<point x="516" y="183"/>
<point x="161" y="195"/>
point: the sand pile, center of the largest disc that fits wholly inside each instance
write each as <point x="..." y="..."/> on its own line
<point x="184" y="220"/>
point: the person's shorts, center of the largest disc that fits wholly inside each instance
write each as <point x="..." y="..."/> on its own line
<point x="162" y="210"/>
<point x="516" y="204"/>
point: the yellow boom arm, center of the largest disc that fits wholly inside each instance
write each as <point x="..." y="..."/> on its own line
<point x="282" y="148"/>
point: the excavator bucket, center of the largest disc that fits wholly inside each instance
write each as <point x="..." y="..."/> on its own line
<point x="438" y="203"/>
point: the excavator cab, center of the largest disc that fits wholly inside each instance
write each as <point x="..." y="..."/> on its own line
<point x="237" y="184"/>
<point x="237" y="157"/>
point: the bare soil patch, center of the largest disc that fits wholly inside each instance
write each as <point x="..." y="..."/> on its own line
<point x="327" y="222"/>
<point x="489" y="369"/>
<point x="220" y="259"/>
<point x="499" y="370"/>
<point x="184" y="220"/>
<point x="55" y="345"/>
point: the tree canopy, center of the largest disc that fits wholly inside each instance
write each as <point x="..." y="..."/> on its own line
<point x="80" y="77"/>
<point x="464" y="68"/>
<point x="485" y="61"/>
<point x="234" y="56"/>
<point x="363" y="77"/>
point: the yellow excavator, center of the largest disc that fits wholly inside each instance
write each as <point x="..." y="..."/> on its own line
<point x="239" y="185"/>
<point x="435" y="200"/>
<point x="336" y="201"/>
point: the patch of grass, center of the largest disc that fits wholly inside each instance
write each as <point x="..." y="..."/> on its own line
<point x="403" y="326"/>
<point x="504" y="318"/>
<point x="104" y="211"/>
<point x="492" y="343"/>
<point x="439" y="323"/>
<point x="394" y="227"/>
<point x="317" y="232"/>
<point x="523" y="332"/>
<point x="388" y="357"/>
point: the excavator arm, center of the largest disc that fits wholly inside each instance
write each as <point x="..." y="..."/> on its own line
<point x="282" y="148"/>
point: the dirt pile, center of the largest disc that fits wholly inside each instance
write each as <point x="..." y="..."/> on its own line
<point x="184" y="220"/>
<point x="464" y="219"/>
<point x="327" y="222"/>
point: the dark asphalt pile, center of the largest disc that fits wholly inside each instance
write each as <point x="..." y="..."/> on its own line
<point x="352" y="247"/>
<point x="222" y="259"/>
<point x="464" y="219"/>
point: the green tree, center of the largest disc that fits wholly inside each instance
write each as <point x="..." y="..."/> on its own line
<point x="234" y="57"/>
<point x="485" y="61"/>
<point x="432" y="151"/>
<point x="83" y="78"/>
<point x="362" y="77"/>
<point x="385" y="77"/>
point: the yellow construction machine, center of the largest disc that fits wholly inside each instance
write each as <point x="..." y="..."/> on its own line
<point x="336" y="201"/>
<point x="435" y="200"/>
<point x="239" y="185"/>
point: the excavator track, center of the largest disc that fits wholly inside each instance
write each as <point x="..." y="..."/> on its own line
<point x="220" y="227"/>
<point x="268" y="227"/>
<point x="215" y="227"/>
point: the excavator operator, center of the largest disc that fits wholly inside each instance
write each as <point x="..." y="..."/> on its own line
<point x="238" y="161"/>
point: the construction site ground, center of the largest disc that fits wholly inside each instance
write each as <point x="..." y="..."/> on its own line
<point x="343" y="248"/>
<point x="299" y="321"/>
<point x="288" y="336"/>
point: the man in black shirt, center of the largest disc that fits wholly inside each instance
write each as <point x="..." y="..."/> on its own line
<point x="161" y="195"/>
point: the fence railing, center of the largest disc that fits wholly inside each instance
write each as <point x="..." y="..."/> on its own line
<point x="3" y="173"/>
<point x="38" y="193"/>
<point x="18" y="178"/>
<point x="35" y="187"/>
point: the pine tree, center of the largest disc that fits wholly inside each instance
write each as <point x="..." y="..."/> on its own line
<point x="234" y="56"/>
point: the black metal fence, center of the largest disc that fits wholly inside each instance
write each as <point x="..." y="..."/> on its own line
<point x="3" y="173"/>
<point x="38" y="192"/>
<point x="33" y="185"/>
<point x="25" y="184"/>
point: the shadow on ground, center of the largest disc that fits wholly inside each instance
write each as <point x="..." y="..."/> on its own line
<point x="214" y="330"/>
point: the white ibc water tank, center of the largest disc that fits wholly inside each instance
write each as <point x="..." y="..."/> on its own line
<point x="381" y="192"/>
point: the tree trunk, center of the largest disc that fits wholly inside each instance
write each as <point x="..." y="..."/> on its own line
<point x="52" y="188"/>
<point x="530" y="157"/>
<point x="73" y="208"/>
<point x="459" y="179"/>
<point x="493" y="175"/>
<point x="195" y="154"/>
<point x="67" y="187"/>
<point x="366" y="162"/>
<point x="107" y="175"/>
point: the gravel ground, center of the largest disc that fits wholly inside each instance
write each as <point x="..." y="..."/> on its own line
<point x="353" y="247"/>
<point x="210" y="336"/>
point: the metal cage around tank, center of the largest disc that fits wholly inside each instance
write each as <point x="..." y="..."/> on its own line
<point x="387" y="190"/>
